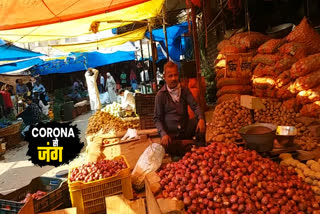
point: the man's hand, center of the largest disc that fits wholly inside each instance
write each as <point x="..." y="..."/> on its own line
<point x="201" y="126"/>
<point x="165" y="140"/>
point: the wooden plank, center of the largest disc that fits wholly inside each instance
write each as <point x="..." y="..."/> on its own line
<point x="119" y="204"/>
<point x="27" y="208"/>
<point x="161" y="205"/>
<point x="120" y="134"/>
<point x="72" y="210"/>
<point x="169" y="205"/>
<point x="152" y="205"/>
<point x="309" y="155"/>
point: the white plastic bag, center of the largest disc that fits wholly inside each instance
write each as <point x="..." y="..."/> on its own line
<point x="131" y="134"/>
<point x="149" y="161"/>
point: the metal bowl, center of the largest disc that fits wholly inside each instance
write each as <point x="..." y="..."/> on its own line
<point x="280" y="31"/>
<point x="286" y="130"/>
<point x="261" y="142"/>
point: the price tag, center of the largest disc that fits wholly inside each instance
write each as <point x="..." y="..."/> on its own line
<point x="239" y="63"/>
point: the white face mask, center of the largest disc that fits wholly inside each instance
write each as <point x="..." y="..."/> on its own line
<point x="175" y="93"/>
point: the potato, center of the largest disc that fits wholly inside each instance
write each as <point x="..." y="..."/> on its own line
<point x="315" y="166"/>
<point x="302" y="166"/>
<point x="284" y="156"/>
<point x="308" y="180"/>
<point x="301" y="175"/>
<point x="316" y="189"/>
<point x="310" y="162"/>
<point x="228" y="118"/>
<point x="317" y="175"/>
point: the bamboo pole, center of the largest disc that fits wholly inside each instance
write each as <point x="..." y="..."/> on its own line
<point x="141" y="49"/>
<point x="197" y="54"/>
<point x="154" y="67"/>
<point x="165" y="30"/>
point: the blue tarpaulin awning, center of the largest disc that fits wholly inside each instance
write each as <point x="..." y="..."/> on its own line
<point x="10" y="52"/>
<point x="19" y="65"/>
<point x="82" y="61"/>
<point x="174" y="39"/>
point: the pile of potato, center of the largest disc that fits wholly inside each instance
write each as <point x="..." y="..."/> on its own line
<point x="108" y="123"/>
<point x="306" y="143"/>
<point x="309" y="172"/>
<point x="228" y="118"/>
<point x="275" y="113"/>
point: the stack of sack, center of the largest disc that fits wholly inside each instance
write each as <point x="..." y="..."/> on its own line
<point x="279" y="63"/>
<point x="305" y="73"/>
<point x="268" y="65"/>
<point x="232" y="84"/>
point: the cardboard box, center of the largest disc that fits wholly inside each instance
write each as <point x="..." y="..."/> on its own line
<point x="118" y="204"/>
<point x="72" y="210"/>
<point x="251" y="102"/>
<point x="161" y="205"/>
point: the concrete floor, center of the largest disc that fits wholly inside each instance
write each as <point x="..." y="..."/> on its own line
<point x="17" y="171"/>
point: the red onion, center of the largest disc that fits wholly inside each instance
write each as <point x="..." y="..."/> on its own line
<point x="222" y="178"/>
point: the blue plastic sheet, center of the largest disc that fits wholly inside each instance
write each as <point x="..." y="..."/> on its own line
<point x="19" y="65"/>
<point x="11" y="52"/>
<point x="174" y="39"/>
<point x="82" y="61"/>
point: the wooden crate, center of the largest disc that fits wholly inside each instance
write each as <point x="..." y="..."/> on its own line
<point x="72" y="210"/>
<point x="152" y="205"/>
<point x="161" y="205"/>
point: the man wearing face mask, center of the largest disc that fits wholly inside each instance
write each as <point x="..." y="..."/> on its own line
<point x="171" y="113"/>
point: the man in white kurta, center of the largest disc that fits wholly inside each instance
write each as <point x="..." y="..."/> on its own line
<point x="91" y="78"/>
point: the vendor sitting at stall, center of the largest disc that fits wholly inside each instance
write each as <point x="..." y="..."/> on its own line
<point x="38" y="87"/>
<point x="21" y="89"/>
<point x="32" y="114"/>
<point x="74" y="95"/>
<point x="171" y="114"/>
<point x="44" y="108"/>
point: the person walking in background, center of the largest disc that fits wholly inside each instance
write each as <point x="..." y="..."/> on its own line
<point x="123" y="79"/>
<point x="111" y="88"/>
<point x="91" y="79"/>
<point x="133" y="75"/>
<point x="133" y="80"/>
<point x="102" y="83"/>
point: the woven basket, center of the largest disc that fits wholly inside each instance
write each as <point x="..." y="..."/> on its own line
<point x="10" y="130"/>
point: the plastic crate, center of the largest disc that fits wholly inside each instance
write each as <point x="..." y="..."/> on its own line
<point x="145" y="103"/>
<point x="57" y="196"/>
<point x="10" y="207"/>
<point x="146" y="121"/>
<point x="90" y="197"/>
